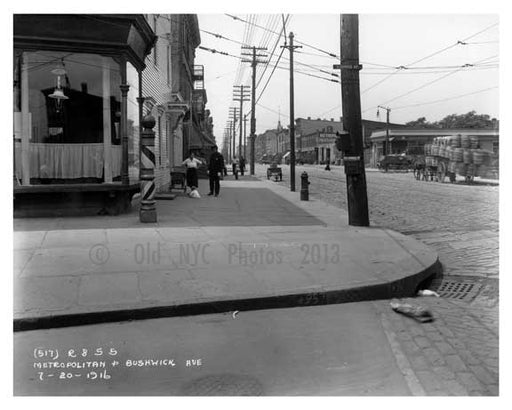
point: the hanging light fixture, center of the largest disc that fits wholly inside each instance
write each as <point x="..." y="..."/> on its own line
<point x="58" y="94"/>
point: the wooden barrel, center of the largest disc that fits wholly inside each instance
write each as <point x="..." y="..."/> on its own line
<point x="481" y="171"/>
<point x="455" y="141"/>
<point x="448" y="152"/>
<point x="474" y="141"/>
<point x="467" y="156"/>
<point x="458" y="154"/>
<point x="464" y="141"/>
<point x="478" y="156"/>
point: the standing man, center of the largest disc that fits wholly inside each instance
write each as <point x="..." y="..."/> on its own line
<point x="242" y="165"/>
<point x="215" y="166"/>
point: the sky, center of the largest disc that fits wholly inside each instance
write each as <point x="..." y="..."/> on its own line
<point x="386" y="41"/>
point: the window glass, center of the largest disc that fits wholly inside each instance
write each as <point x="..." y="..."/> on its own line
<point x="77" y="116"/>
<point x="73" y="104"/>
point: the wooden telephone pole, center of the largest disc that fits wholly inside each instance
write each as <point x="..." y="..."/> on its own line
<point x="352" y="146"/>
<point x="245" y="137"/>
<point x="254" y="62"/>
<point x="386" y="152"/>
<point x="239" y="95"/>
<point x="233" y="118"/>
<point x="291" y="47"/>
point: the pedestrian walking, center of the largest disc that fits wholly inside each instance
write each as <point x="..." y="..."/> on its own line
<point x="242" y="165"/>
<point x="191" y="163"/>
<point x="215" y="166"/>
<point x="235" y="166"/>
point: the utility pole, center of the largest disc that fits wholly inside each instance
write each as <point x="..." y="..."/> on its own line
<point x="239" y="95"/>
<point x="386" y="152"/>
<point x="291" y="47"/>
<point x="233" y="117"/>
<point x="254" y="62"/>
<point x="352" y="145"/>
<point x="245" y="137"/>
<point x="228" y="130"/>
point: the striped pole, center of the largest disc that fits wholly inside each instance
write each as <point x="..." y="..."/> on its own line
<point x="147" y="211"/>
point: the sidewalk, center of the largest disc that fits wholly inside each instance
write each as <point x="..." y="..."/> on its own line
<point x="256" y="246"/>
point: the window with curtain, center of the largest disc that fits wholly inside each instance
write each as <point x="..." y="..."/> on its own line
<point x="73" y="111"/>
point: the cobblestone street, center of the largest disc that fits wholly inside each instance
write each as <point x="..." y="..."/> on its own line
<point x="458" y="353"/>
<point x="459" y="221"/>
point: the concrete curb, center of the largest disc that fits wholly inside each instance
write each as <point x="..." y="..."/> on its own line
<point x="405" y="287"/>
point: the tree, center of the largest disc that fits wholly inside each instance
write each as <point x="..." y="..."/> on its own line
<point x="468" y="120"/>
<point x="419" y="123"/>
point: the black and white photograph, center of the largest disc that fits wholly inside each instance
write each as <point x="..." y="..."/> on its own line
<point x="208" y="202"/>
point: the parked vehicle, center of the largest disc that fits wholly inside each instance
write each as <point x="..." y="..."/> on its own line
<point x="399" y="162"/>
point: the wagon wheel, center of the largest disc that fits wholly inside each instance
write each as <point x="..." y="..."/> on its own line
<point x="441" y="172"/>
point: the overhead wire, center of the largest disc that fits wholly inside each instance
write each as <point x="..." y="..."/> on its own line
<point x="445" y="99"/>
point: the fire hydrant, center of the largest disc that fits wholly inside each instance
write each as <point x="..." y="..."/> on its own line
<point x="304" y="187"/>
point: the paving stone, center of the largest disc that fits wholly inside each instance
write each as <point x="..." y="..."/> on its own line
<point x="404" y="335"/>
<point x="468" y="357"/>
<point x="411" y="348"/>
<point x="435" y="336"/>
<point x="422" y="342"/>
<point x="491" y="362"/>
<point x="444" y="348"/>
<point x="477" y="392"/>
<point x="429" y="381"/>
<point x="483" y="375"/>
<point x="417" y="331"/>
<point x="456" y="343"/>
<point x="469" y="381"/>
<point x="455" y="388"/>
<point x="419" y="362"/>
<point x="434" y="357"/>
<point x="493" y="389"/>
<point x="444" y="372"/>
<point x="455" y="363"/>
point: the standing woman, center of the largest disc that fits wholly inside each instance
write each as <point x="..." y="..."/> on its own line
<point x="191" y="163"/>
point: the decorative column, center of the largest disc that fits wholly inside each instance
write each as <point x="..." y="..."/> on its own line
<point x="125" y="179"/>
<point x="147" y="211"/>
<point x="107" y="135"/>
<point x="25" y="122"/>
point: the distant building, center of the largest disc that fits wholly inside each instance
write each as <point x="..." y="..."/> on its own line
<point x="314" y="139"/>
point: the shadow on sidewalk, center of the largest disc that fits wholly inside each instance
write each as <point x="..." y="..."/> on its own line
<point x="235" y="206"/>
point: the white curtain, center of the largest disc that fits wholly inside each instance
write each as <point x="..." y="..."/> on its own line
<point x="68" y="161"/>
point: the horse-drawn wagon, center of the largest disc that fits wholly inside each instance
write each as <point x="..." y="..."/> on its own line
<point x="455" y="155"/>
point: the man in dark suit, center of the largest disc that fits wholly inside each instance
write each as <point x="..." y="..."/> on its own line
<point x="215" y="166"/>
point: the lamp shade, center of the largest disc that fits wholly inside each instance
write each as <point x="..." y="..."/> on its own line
<point x="58" y="94"/>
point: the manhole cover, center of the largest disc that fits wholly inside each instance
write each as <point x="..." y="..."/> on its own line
<point x="458" y="290"/>
<point x="223" y="385"/>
